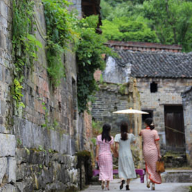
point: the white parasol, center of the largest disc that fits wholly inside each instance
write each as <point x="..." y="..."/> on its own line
<point x="130" y="111"/>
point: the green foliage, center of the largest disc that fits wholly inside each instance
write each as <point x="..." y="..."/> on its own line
<point x="93" y="140"/>
<point x="172" y="21"/>
<point x="17" y="93"/>
<point x="60" y="33"/>
<point x="19" y="142"/>
<point x="28" y="151"/>
<point x="96" y="128"/>
<point x="101" y="79"/>
<point x="83" y="154"/>
<point x="89" y="58"/>
<point x="51" y="151"/>
<point x="124" y="29"/>
<point x="122" y="88"/>
<point x="164" y="21"/>
<point x="124" y="9"/>
<point x="25" y="44"/>
<point x="114" y="3"/>
<point x="40" y="148"/>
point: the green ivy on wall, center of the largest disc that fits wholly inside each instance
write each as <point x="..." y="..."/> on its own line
<point x="90" y="49"/>
<point x="25" y="45"/>
<point x="59" y="24"/>
<point x="63" y="28"/>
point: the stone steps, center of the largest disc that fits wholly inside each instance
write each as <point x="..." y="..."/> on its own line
<point x="177" y="176"/>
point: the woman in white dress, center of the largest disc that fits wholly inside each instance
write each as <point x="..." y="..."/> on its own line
<point x="126" y="166"/>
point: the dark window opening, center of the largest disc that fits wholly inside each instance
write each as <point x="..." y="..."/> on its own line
<point x="89" y="8"/>
<point x="153" y="87"/>
<point x="149" y="115"/>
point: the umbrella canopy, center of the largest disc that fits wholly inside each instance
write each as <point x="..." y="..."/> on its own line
<point x="130" y="111"/>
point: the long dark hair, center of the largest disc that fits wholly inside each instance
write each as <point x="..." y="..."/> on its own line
<point x="124" y="130"/>
<point x="106" y="132"/>
<point x="149" y="123"/>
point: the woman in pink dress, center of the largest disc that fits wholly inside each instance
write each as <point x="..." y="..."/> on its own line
<point x="151" y="153"/>
<point x="104" y="156"/>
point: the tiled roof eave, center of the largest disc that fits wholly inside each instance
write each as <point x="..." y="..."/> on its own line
<point x="161" y="77"/>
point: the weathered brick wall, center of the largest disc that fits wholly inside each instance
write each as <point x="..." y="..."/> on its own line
<point x="187" y="106"/>
<point x="33" y="156"/>
<point x="169" y="93"/>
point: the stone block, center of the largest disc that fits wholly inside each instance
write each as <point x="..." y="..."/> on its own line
<point x="2" y="40"/>
<point x="3" y="9"/>
<point x="3" y="129"/>
<point x="25" y="186"/>
<point x="7" y="145"/>
<point x="21" y="155"/>
<point x="11" y="169"/>
<point x="21" y="172"/>
<point x="9" y="188"/>
<point x="3" y="169"/>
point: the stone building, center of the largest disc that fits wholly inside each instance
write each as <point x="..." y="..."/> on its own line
<point x="35" y="157"/>
<point x="187" y="107"/>
<point x="160" y="74"/>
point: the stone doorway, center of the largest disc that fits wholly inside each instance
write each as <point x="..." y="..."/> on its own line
<point x="174" y="128"/>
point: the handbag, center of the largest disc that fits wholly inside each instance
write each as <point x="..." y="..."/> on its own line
<point x="160" y="168"/>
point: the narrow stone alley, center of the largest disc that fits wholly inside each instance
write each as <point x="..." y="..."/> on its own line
<point x="136" y="186"/>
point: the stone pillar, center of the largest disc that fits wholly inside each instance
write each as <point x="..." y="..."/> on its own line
<point x="187" y="108"/>
<point x="7" y="141"/>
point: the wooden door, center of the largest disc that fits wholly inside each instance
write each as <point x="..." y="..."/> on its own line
<point x="174" y="128"/>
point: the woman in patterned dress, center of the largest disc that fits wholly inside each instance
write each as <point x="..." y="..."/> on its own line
<point x="126" y="166"/>
<point x="104" y="156"/>
<point x="151" y="153"/>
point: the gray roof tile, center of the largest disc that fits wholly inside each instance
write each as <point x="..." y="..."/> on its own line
<point x="157" y="64"/>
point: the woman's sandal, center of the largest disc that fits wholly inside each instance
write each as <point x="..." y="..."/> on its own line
<point x="148" y="183"/>
<point x="122" y="183"/>
<point x="153" y="186"/>
<point x="127" y="187"/>
<point x="102" y="185"/>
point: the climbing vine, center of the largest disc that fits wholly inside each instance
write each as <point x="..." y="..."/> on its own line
<point x="63" y="28"/>
<point x="25" y="45"/>
<point x="90" y="49"/>
<point x="60" y="33"/>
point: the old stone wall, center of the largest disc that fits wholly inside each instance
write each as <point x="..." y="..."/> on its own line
<point x="187" y="106"/>
<point x="39" y="142"/>
<point x="7" y="139"/>
<point x="76" y="5"/>
<point x="168" y="93"/>
<point x="112" y="97"/>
